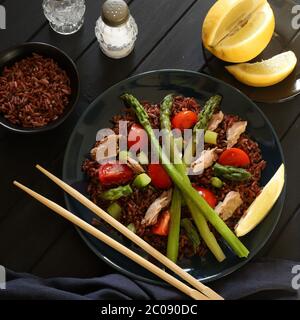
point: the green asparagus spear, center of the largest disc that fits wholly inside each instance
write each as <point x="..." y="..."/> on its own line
<point x="205" y="232"/>
<point x="165" y="112"/>
<point x="201" y="223"/>
<point x="202" y="124"/>
<point x="173" y="237"/>
<point x="116" y="193"/>
<point x="231" y="173"/>
<point x="207" y="112"/>
<point x="165" y="124"/>
<point x="186" y="188"/>
<point x="191" y="233"/>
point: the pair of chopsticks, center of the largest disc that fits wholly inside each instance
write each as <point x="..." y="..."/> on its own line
<point x="202" y="293"/>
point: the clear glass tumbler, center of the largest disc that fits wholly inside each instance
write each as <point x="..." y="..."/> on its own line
<point x="65" y="16"/>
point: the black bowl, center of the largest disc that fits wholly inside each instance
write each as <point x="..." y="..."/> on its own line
<point x="12" y="55"/>
<point x="153" y="86"/>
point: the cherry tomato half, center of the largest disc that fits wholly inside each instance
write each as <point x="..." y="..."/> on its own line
<point x="160" y="178"/>
<point x="114" y="173"/>
<point x="162" y="226"/>
<point x="137" y="137"/>
<point x="234" y="157"/>
<point x="208" y="196"/>
<point x="184" y="120"/>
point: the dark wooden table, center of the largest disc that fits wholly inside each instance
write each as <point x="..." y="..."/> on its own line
<point x="34" y="240"/>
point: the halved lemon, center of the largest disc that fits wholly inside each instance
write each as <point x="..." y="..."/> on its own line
<point x="238" y="30"/>
<point x="260" y="207"/>
<point x="265" y="73"/>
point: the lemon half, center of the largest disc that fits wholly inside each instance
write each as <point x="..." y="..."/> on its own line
<point x="238" y="30"/>
<point x="265" y="73"/>
<point x="262" y="204"/>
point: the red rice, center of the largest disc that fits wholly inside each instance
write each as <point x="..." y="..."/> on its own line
<point x="33" y="92"/>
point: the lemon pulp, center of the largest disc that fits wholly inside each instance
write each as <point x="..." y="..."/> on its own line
<point x="238" y="30"/>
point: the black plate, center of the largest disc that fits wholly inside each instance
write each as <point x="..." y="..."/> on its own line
<point x="285" y="38"/>
<point x="17" y="53"/>
<point x="153" y="86"/>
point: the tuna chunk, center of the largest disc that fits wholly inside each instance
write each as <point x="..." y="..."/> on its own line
<point x="216" y="119"/>
<point x="135" y="166"/>
<point x="107" y="148"/>
<point x="227" y="207"/>
<point x="206" y="160"/>
<point x="156" y="207"/>
<point x="234" y="132"/>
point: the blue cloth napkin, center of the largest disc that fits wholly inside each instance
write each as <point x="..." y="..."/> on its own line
<point x="262" y="279"/>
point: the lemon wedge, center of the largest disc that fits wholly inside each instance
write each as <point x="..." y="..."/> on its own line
<point x="265" y="73"/>
<point x="262" y="204"/>
<point x="238" y="30"/>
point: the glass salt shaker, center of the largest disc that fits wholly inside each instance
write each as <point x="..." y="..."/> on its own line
<point x="65" y="16"/>
<point x="116" y="29"/>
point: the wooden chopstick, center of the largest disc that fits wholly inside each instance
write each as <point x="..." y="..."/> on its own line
<point x="194" y="294"/>
<point x="132" y="236"/>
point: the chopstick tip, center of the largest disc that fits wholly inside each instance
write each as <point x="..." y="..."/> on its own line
<point x="17" y="184"/>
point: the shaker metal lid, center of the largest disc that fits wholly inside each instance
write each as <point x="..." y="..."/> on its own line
<point x="115" y="12"/>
